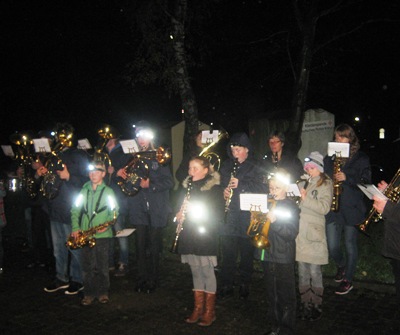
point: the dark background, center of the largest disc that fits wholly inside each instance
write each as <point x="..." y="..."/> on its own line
<point x="65" y="60"/>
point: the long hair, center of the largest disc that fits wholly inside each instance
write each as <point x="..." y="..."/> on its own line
<point x="344" y="130"/>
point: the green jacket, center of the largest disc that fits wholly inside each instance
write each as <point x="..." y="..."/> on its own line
<point x="93" y="208"/>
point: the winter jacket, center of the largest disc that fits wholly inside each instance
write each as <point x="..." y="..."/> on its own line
<point x="204" y="242"/>
<point x="250" y="176"/>
<point x="352" y="207"/>
<point x="77" y="163"/>
<point x="290" y="162"/>
<point x="391" y="242"/>
<point x="93" y="208"/>
<point x="311" y="244"/>
<point x="282" y="234"/>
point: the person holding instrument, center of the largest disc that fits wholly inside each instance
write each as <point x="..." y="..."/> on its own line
<point x="201" y="214"/>
<point x="352" y="210"/>
<point x="241" y="173"/>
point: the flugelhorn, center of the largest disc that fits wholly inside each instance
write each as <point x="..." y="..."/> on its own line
<point x="392" y="192"/>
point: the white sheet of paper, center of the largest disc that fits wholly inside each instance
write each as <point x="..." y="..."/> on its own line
<point x="8" y="151"/>
<point x="335" y="148"/>
<point x="129" y="146"/>
<point x="125" y="232"/>
<point x="248" y="200"/>
<point x="293" y="190"/>
<point x="370" y="190"/>
<point x="207" y="137"/>
<point x="84" y="144"/>
<point x="41" y="145"/>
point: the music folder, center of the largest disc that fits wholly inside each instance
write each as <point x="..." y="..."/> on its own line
<point x="124" y="232"/>
<point x="84" y="144"/>
<point x="252" y="200"/>
<point x="7" y="150"/>
<point x="129" y="146"/>
<point x="339" y="149"/>
<point x="370" y="190"/>
<point x="208" y="136"/>
<point x="41" y="145"/>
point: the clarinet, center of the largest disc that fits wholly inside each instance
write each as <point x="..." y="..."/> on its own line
<point x="233" y="175"/>
<point x="174" y="247"/>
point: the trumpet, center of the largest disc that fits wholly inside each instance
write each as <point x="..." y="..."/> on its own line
<point x="129" y="185"/>
<point x="392" y="192"/>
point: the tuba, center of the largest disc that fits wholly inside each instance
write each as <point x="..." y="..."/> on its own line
<point x="51" y="181"/>
<point x="137" y="168"/>
<point x="392" y="192"/>
<point x="259" y="226"/>
<point x="23" y="142"/>
<point x="211" y="155"/>
<point x="337" y="185"/>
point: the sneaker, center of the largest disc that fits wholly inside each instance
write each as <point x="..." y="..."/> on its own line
<point x="56" y="285"/>
<point x="103" y="299"/>
<point x="344" y="287"/>
<point x="340" y="274"/>
<point x="86" y="301"/>
<point x="74" y="288"/>
<point x="121" y="271"/>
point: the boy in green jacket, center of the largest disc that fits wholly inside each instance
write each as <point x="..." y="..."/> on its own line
<point x="96" y="210"/>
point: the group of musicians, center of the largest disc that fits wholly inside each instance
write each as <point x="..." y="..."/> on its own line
<point x="142" y="185"/>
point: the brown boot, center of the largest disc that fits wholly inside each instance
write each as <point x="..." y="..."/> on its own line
<point x="209" y="314"/>
<point x="198" y="307"/>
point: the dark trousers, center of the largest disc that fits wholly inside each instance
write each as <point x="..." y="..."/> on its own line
<point x="41" y="236"/>
<point x="148" y="249"/>
<point x="96" y="279"/>
<point x="396" y="272"/>
<point x="281" y="296"/>
<point x="232" y="248"/>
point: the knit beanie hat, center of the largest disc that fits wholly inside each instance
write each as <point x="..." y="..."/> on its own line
<point x="315" y="159"/>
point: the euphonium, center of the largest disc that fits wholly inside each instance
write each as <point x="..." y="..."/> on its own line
<point x="24" y="141"/>
<point x="337" y="185"/>
<point x="392" y="192"/>
<point x="51" y="181"/>
<point x="129" y="186"/>
<point x="212" y="156"/>
<point x="86" y="237"/>
<point x="258" y="229"/>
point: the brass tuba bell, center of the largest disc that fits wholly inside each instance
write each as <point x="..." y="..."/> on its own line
<point x="211" y="155"/>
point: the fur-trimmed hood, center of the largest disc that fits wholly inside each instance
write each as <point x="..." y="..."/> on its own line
<point x="207" y="183"/>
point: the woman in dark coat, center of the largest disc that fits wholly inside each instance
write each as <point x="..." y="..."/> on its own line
<point x="199" y="218"/>
<point x="352" y="208"/>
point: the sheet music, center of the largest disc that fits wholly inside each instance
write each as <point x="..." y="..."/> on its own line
<point x="41" y="145"/>
<point x="8" y="151"/>
<point x="125" y="232"/>
<point x="248" y="200"/>
<point x="129" y="146"/>
<point x="335" y="148"/>
<point x="208" y="137"/>
<point x="84" y="144"/>
<point x="293" y="190"/>
<point x="370" y="190"/>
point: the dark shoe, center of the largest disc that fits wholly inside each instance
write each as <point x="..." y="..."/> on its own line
<point x="121" y="271"/>
<point x="340" y="274"/>
<point x="225" y="292"/>
<point x="316" y="313"/>
<point x="273" y="332"/>
<point x="103" y="299"/>
<point x="244" y="291"/>
<point x="86" y="301"/>
<point x="305" y="311"/>
<point x="344" y="287"/>
<point x="56" y="285"/>
<point x="140" y="287"/>
<point x="74" y="288"/>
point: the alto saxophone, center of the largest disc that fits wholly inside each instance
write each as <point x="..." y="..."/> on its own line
<point x="337" y="185"/>
<point x="174" y="247"/>
<point x="86" y="237"/>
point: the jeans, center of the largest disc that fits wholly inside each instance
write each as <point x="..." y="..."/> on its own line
<point x="96" y="279"/>
<point x="232" y="246"/>
<point x="334" y="237"/>
<point x="59" y="235"/>
<point x="281" y="296"/>
<point x="123" y="244"/>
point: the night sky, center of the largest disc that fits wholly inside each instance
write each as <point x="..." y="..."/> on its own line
<point x="63" y="61"/>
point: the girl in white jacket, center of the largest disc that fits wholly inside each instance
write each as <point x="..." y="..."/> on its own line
<point x="311" y="244"/>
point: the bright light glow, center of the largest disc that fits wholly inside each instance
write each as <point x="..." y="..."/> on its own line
<point x="357" y="119"/>
<point x="146" y="134"/>
<point x="111" y="202"/>
<point x="202" y="230"/>
<point x="197" y="212"/>
<point x="282" y="214"/>
<point x="78" y="200"/>
<point x="381" y="133"/>
<point x="283" y="179"/>
<point x="171" y="37"/>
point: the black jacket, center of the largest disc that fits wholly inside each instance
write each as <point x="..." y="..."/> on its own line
<point x="290" y="162"/>
<point x="200" y="235"/>
<point x="391" y="242"/>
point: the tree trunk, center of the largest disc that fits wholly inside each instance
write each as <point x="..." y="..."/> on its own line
<point x="308" y="27"/>
<point x="186" y="93"/>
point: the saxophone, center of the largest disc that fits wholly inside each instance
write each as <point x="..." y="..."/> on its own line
<point x="86" y="238"/>
<point x="337" y="185"/>
<point x="258" y="229"/>
<point x="174" y="247"/>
